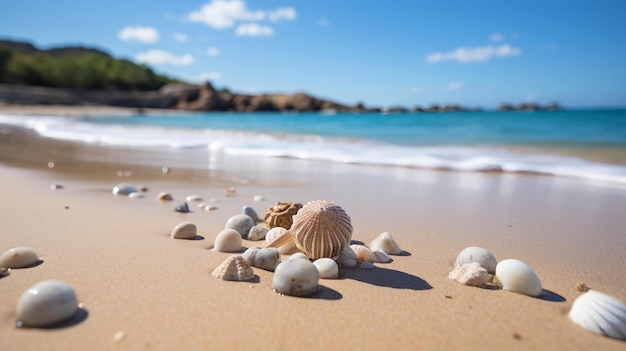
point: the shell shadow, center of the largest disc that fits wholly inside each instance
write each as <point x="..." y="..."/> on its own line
<point x="197" y="237"/>
<point x="77" y="318"/>
<point x="324" y="293"/>
<point x="389" y="278"/>
<point x="38" y="263"/>
<point x="356" y="242"/>
<point x="404" y="253"/>
<point x="551" y="296"/>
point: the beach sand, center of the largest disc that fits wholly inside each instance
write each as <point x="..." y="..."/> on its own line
<point x="143" y="290"/>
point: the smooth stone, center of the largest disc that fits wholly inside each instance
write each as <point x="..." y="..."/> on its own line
<point x="136" y="195"/>
<point x="185" y="230"/>
<point x="124" y="189"/>
<point x="479" y="255"/>
<point x="19" y="257"/>
<point x="257" y="233"/>
<point x="258" y="198"/>
<point x="327" y="268"/>
<point x="241" y="223"/>
<point x="165" y="196"/>
<point x="250" y="212"/>
<point x="517" y="276"/>
<point x="299" y="256"/>
<point x="296" y="278"/>
<point x="228" y="240"/>
<point x="193" y="197"/>
<point x="182" y="208"/>
<point x="46" y="303"/>
<point x="264" y="258"/>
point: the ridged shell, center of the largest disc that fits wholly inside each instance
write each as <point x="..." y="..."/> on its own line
<point x="321" y="229"/>
<point x="19" y="257"/>
<point x="471" y="274"/>
<point x="234" y="268"/>
<point x="281" y="214"/>
<point x="600" y="313"/>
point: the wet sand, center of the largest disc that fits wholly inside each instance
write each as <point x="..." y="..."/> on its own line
<point x="143" y="290"/>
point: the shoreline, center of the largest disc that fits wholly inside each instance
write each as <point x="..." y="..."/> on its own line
<point x="144" y="290"/>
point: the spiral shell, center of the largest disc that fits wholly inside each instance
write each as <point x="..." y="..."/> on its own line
<point x="321" y="229"/>
<point x="234" y="268"/>
<point x="281" y="214"/>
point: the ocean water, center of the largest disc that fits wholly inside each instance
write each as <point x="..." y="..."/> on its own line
<point x="529" y="142"/>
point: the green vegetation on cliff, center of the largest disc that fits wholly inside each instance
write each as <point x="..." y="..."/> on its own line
<point x="73" y="68"/>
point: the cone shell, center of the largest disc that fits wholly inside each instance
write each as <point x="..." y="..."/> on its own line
<point x="234" y="268"/>
<point x="471" y="274"/>
<point x="321" y="229"/>
<point x="600" y="313"/>
<point x="281" y="214"/>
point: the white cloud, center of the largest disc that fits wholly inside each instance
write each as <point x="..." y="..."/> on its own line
<point x="180" y="37"/>
<point x="480" y="53"/>
<point x="221" y="14"/>
<point x="213" y="51"/>
<point x="496" y="37"/>
<point x="254" y="30"/>
<point x="282" y="13"/>
<point x="454" y="86"/>
<point x="139" y="33"/>
<point x="160" y="57"/>
<point x="322" y="22"/>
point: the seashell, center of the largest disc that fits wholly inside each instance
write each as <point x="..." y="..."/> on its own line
<point x="165" y="196"/>
<point x="210" y="208"/>
<point x="319" y="229"/>
<point x="385" y="242"/>
<point x="296" y="278"/>
<point x="256" y="233"/>
<point x="228" y="240"/>
<point x="241" y="223"/>
<point x="182" y="208"/>
<point x="479" y="255"/>
<point x="274" y="233"/>
<point x="347" y="258"/>
<point x="185" y="230"/>
<point x="193" y="197"/>
<point x="267" y="258"/>
<point x="230" y="191"/>
<point x="136" y="195"/>
<point x="46" y="303"/>
<point x="517" y="276"/>
<point x="258" y="198"/>
<point x="380" y="256"/>
<point x="165" y="170"/>
<point x="124" y="189"/>
<point x="363" y="254"/>
<point x="327" y="268"/>
<point x="600" y="313"/>
<point x="367" y="265"/>
<point x="298" y="256"/>
<point x="19" y="257"/>
<point x="472" y="274"/>
<point x="234" y="268"/>
<point x="250" y="212"/>
<point x="281" y="214"/>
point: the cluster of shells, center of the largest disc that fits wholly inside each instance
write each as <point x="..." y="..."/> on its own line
<point x="593" y="310"/>
<point x="317" y="235"/>
<point x="44" y="304"/>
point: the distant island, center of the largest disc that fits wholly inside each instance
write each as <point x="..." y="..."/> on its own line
<point x="87" y="76"/>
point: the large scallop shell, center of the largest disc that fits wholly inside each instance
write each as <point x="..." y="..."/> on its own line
<point x="281" y="214"/>
<point x="600" y="313"/>
<point x="321" y="229"/>
<point x="234" y="268"/>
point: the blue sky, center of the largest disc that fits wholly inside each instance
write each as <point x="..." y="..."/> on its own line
<point x="383" y="53"/>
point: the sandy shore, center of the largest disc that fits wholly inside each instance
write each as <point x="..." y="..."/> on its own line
<point x="143" y="290"/>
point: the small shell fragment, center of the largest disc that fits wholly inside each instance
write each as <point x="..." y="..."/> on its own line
<point x="380" y="256"/>
<point x="234" y="268"/>
<point x="479" y="255"/>
<point x="185" y="230"/>
<point x="164" y="196"/>
<point x="136" y="195"/>
<point x="193" y="197"/>
<point x="327" y="268"/>
<point x="296" y="278"/>
<point x="517" y="276"/>
<point x="385" y="242"/>
<point x="46" y="303"/>
<point x="600" y="313"/>
<point x="472" y="274"/>
<point x="228" y="240"/>
<point x="19" y="257"/>
<point x="56" y="187"/>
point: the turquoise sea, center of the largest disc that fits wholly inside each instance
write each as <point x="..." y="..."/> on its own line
<point x="544" y="142"/>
